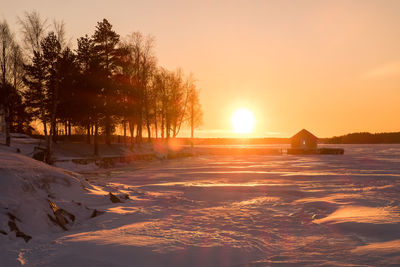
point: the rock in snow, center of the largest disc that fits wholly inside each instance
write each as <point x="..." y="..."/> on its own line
<point x="35" y="196"/>
<point x="114" y="199"/>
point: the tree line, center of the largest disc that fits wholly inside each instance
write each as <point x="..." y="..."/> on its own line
<point x="107" y="82"/>
<point x="365" y="138"/>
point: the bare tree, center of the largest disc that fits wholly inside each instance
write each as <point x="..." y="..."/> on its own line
<point x="60" y="32"/>
<point x="6" y="44"/>
<point x="172" y="94"/>
<point x="33" y="29"/>
<point x="17" y="65"/>
<point x="19" y="115"/>
<point x="178" y="101"/>
<point x="143" y="66"/>
<point x="194" y="114"/>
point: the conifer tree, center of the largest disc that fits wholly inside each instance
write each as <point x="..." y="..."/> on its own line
<point x="51" y="48"/>
<point x="35" y="93"/>
<point x="105" y="41"/>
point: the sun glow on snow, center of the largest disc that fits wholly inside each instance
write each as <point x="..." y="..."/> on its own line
<point x="243" y="121"/>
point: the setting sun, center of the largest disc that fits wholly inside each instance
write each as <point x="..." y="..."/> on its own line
<point x="243" y="121"/>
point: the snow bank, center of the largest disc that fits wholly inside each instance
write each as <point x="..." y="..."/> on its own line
<point x="27" y="189"/>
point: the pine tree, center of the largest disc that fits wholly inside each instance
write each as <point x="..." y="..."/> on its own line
<point x="105" y="46"/>
<point x="35" y="94"/>
<point x="69" y="104"/>
<point x="91" y="83"/>
<point x="51" y="48"/>
<point x="85" y="58"/>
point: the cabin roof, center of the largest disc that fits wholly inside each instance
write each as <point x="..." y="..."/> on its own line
<point x="304" y="133"/>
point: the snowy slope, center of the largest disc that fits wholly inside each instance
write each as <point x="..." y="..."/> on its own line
<point x="27" y="187"/>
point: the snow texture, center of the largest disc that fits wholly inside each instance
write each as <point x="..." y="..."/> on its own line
<point x="243" y="210"/>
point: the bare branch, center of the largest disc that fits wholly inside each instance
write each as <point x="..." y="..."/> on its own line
<point x="33" y="29"/>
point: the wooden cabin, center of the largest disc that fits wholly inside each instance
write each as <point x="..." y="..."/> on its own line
<point x="304" y="140"/>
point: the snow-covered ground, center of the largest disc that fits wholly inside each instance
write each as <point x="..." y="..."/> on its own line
<point x="248" y="210"/>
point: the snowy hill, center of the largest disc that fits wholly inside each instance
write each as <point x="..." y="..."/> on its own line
<point x="27" y="187"/>
<point x="37" y="200"/>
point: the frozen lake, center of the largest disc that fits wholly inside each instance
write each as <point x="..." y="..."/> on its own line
<point x="241" y="211"/>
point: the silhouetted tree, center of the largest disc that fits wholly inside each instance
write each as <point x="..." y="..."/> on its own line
<point x="142" y="68"/>
<point x="51" y="48"/>
<point x="104" y="83"/>
<point x="10" y="69"/>
<point x="105" y="41"/>
<point x="177" y="103"/>
<point x="91" y="83"/>
<point x="33" y="29"/>
<point x="69" y="105"/>
<point x="19" y="117"/>
<point x="85" y="58"/>
<point x="35" y="93"/>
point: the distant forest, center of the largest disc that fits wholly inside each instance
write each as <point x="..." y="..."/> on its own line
<point x="352" y="138"/>
<point x="106" y="83"/>
<point x="365" y="138"/>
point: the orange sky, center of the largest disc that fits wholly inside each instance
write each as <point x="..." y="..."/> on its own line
<point x="332" y="67"/>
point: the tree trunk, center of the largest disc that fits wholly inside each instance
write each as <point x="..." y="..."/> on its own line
<point x="96" y="145"/>
<point x="108" y="129"/>
<point x="124" y="124"/>
<point x="3" y="115"/>
<point x="146" y="110"/>
<point x="44" y="125"/>
<point x="162" y="125"/>
<point x="155" y="122"/>
<point x="148" y="132"/>
<point x="7" y="122"/>
<point x="191" y="125"/>
<point x="88" y="133"/>
<point x="66" y="128"/>
<point x="132" y="130"/>
<point x="51" y="136"/>
<point x="139" y="127"/>
<point x="139" y="132"/>
<point x="21" y="125"/>
<point x="69" y="129"/>
<point x="56" y="133"/>
<point x="168" y="127"/>
<point x="7" y="93"/>
<point x="53" y="126"/>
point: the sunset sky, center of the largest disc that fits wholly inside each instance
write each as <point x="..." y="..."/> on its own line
<point x="332" y="67"/>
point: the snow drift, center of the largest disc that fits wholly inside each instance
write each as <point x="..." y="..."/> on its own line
<point x="35" y="198"/>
